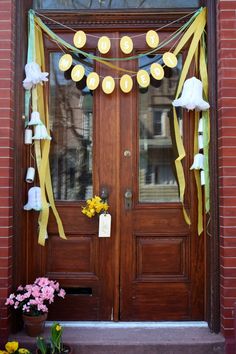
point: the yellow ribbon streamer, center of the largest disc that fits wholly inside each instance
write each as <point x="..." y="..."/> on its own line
<point x="43" y="165"/>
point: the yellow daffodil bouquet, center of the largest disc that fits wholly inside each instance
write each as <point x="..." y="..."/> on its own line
<point x="13" y="347"/>
<point x="94" y="206"/>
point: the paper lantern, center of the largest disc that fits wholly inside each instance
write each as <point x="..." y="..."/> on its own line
<point x="126" y="45"/>
<point x="126" y="83"/>
<point x="200" y="142"/>
<point x="79" y="39"/>
<point x="30" y="175"/>
<point x="170" y="59"/>
<point x="108" y="84"/>
<point x="65" y="62"/>
<point x="34" y="75"/>
<point x="191" y="97"/>
<point x="104" y="44"/>
<point x="92" y="81"/>
<point x="34" y="199"/>
<point x="198" y="162"/>
<point x="77" y="73"/>
<point x="28" y="136"/>
<point x="152" y="39"/>
<point x="35" y="118"/>
<point x="202" y="176"/>
<point x="41" y="133"/>
<point x="200" y="126"/>
<point x="157" y="71"/>
<point x="143" y="78"/>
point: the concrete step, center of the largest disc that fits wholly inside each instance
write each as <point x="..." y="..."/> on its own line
<point x="135" y="338"/>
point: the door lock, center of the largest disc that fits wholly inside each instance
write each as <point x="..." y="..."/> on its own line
<point x="128" y="199"/>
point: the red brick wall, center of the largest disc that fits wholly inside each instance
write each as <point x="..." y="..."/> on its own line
<point x="6" y="153"/>
<point x="227" y="161"/>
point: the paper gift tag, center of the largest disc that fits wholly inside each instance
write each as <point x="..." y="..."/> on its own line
<point x="104" y="225"/>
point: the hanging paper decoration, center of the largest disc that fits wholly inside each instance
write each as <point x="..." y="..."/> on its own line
<point x="170" y="59"/>
<point x="77" y="73"/>
<point x="108" y="84"/>
<point x="35" y="119"/>
<point x="28" y="136"/>
<point x="34" y="199"/>
<point x="157" y="71"/>
<point x="80" y="39"/>
<point x="143" y="78"/>
<point x="41" y="133"/>
<point x="126" y="83"/>
<point x="126" y="45"/>
<point x="104" y="44"/>
<point x="152" y="39"/>
<point x="34" y="75"/>
<point x="65" y="62"/>
<point x="198" y="162"/>
<point x="191" y="97"/>
<point x="92" y="81"/>
<point x="200" y="126"/>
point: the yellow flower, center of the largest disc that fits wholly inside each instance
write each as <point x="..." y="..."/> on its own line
<point x="58" y="328"/>
<point x="3" y="352"/>
<point x="23" y="351"/>
<point x="11" y="347"/>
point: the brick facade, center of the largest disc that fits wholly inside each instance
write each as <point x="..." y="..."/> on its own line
<point x="226" y="37"/>
<point x="7" y="24"/>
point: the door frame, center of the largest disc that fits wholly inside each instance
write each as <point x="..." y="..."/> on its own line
<point x="99" y="19"/>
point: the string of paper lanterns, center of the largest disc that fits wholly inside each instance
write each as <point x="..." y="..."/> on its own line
<point x="125" y="81"/>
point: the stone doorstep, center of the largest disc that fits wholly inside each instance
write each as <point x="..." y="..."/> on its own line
<point x="143" y="339"/>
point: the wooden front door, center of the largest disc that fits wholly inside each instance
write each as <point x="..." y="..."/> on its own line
<point x="152" y="266"/>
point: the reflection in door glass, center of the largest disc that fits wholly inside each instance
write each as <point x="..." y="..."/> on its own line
<point x="113" y="4"/>
<point x="71" y="118"/>
<point x="157" y="151"/>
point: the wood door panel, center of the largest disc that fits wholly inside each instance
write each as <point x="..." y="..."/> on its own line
<point x="163" y="301"/>
<point x="162" y="258"/>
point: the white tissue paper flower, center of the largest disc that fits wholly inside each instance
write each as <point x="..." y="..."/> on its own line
<point x="191" y="97"/>
<point x="34" y="75"/>
<point x="41" y="133"/>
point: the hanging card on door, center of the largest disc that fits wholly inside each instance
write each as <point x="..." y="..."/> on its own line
<point x="104" y="225"/>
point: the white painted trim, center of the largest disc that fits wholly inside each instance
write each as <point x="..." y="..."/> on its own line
<point x="102" y="324"/>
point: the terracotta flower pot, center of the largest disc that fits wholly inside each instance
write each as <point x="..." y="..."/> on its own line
<point x="34" y="325"/>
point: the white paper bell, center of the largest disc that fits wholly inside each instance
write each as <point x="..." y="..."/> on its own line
<point x="200" y="126"/>
<point x="34" y="75"/>
<point x="34" y="199"/>
<point x="41" y="133"/>
<point x="191" y="97"/>
<point x="202" y="176"/>
<point x="200" y="142"/>
<point x="35" y="119"/>
<point x="198" y="162"/>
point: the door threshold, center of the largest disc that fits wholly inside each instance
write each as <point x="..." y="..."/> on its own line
<point x="106" y="324"/>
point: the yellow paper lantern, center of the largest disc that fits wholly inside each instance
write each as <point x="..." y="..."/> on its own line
<point x="77" y="73"/>
<point x="170" y="59"/>
<point x="143" y="78"/>
<point x="65" y="62"/>
<point x="126" y="83"/>
<point x="152" y="39"/>
<point x="79" y="39"/>
<point x="157" y="71"/>
<point x="126" y="44"/>
<point x="104" y="44"/>
<point x="108" y="84"/>
<point x="92" y="81"/>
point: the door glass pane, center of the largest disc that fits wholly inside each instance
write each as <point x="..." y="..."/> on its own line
<point x="157" y="176"/>
<point x="113" y="4"/>
<point x="71" y="118"/>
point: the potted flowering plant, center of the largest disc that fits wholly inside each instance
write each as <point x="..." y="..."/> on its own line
<point x="54" y="345"/>
<point x="13" y="347"/>
<point x="33" y="300"/>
